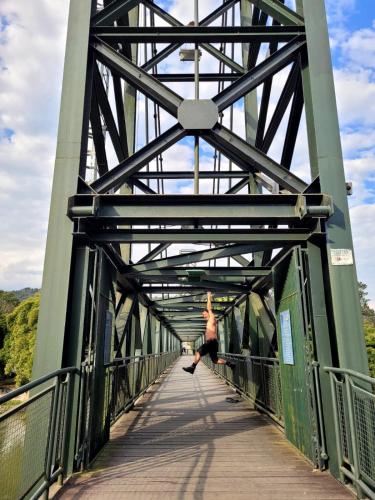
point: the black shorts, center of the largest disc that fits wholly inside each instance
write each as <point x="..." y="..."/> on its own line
<point x="210" y="347"/>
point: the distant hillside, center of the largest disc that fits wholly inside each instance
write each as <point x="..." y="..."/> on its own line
<point x="25" y="293"/>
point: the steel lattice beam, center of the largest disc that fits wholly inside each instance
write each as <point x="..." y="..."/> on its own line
<point x="209" y="209"/>
<point x="264" y="238"/>
<point x="201" y="34"/>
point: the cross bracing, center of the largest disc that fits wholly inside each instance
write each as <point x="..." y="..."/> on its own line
<point x="198" y="131"/>
<point x="110" y="49"/>
<point x="129" y="40"/>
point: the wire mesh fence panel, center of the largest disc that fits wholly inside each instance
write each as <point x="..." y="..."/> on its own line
<point x="257" y="385"/>
<point x="364" y="416"/>
<point x="270" y="387"/>
<point x="343" y="421"/>
<point x="129" y="378"/>
<point x="353" y="396"/>
<point x="24" y="438"/>
<point x="61" y="424"/>
<point x="256" y="378"/>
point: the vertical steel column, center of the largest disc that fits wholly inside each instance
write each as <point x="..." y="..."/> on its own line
<point x="99" y="413"/>
<point x="323" y="346"/>
<point x="250" y="99"/>
<point x="130" y="111"/>
<point x="250" y="109"/>
<point x="73" y="348"/>
<point x="326" y="160"/>
<point x="70" y="159"/>
<point x="196" y="82"/>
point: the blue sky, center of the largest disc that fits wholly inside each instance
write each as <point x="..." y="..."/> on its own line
<point x="31" y="61"/>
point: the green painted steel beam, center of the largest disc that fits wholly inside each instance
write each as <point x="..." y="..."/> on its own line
<point x="118" y="175"/>
<point x="215" y="34"/>
<point x="203" y="285"/>
<point x="163" y="14"/>
<point x="251" y="158"/>
<point x="326" y="160"/>
<point x="246" y="272"/>
<point x="279" y="11"/>
<point x="181" y="315"/>
<point x="264" y="237"/>
<point x="201" y="209"/>
<point x="188" y="309"/>
<point x="71" y="148"/>
<point x="263" y="71"/>
<point x="187" y="322"/>
<point x="220" y="56"/>
<point x="178" y="174"/>
<point x="163" y="54"/>
<point x="137" y="77"/>
<point x="191" y="280"/>
<point x="203" y="77"/>
<point x="190" y="258"/>
<point x="113" y="12"/>
<point x="197" y="297"/>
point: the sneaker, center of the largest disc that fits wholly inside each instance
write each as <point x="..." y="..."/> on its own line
<point x="189" y="369"/>
<point x="231" y="365"/>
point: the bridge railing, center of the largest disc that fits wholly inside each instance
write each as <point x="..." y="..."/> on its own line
<point x="353" y="396"/>
<point x="33" y="432"/>
<point x="256" y="378"/>
<point x="32" y="435"/>
<point x="128" y="378"/>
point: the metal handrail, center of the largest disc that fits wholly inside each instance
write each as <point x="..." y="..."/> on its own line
<point x="359" y="375"/>
<point x="244" y="356"/>
<point x="37" y="427"/>
<point x="34" y="383"/>
<point x="353" y="398"/>
<point x="131" y="358"/>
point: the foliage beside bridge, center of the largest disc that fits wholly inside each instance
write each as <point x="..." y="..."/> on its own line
<point x="18" y="331"/>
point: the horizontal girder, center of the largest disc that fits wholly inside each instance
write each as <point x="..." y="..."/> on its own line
<point x="245" y="272"/>
<point x="203" y="285"/>
<point x="265" y="238"/>
<point x="177" y="174"/>
<point x="201" y="209"/>
<point x="200" y="34"/>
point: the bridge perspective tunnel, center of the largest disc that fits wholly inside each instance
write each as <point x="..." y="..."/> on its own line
<point x="176" y="176"/>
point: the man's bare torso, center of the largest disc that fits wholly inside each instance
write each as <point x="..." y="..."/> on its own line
<point x="211" y="328"/>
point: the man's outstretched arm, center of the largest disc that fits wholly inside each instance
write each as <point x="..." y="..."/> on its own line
<point x="209" y="304"/>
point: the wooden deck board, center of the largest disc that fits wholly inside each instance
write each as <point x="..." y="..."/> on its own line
<point x="185" y="441"/>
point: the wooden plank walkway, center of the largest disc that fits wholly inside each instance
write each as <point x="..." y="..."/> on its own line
<point x="185" y="441"/>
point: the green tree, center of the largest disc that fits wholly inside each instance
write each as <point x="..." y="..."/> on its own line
<point x="18" y="350"/>
<point x="8" y="301"/>
<point x="370" y="343"/>
<point x="3" y="332"/>
<point x="368" y="315"/>
<point x="367" y="312"/>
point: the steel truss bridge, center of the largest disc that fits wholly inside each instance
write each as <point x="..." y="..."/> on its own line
<point x="178" y="171"/>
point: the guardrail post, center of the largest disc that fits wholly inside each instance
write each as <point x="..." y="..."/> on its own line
<point x="52" y="431"/>
<point x="353" y="435"/>
<point x="336" y="422"/>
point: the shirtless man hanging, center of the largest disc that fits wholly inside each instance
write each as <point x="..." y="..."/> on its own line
<point x="211" y="345"/>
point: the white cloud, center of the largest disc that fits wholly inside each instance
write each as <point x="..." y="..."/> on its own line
<point x="356" y="96"/>
<point x="338" y="12"/>
<point x="362" y="218"/>
<point x="359" y="47"/>
<point x="31" y="58"/>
